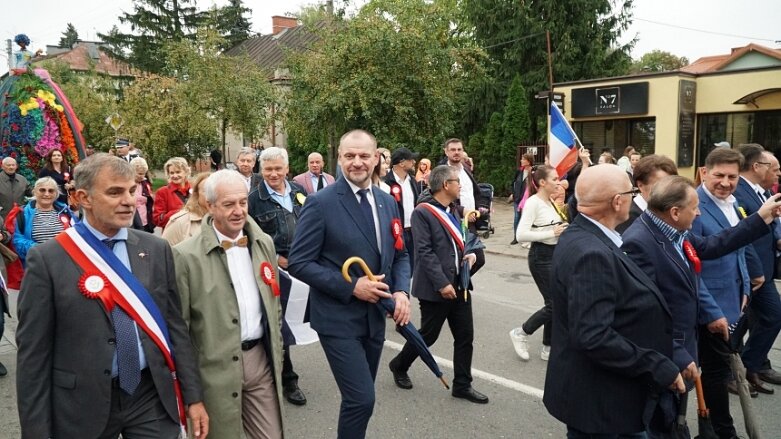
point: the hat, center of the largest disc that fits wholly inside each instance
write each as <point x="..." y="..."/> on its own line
<point x="121" y="143"/>
<point x="722" y="144"/>
<point x="401" y="154"/>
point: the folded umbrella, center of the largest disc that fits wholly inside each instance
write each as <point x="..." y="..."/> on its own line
<point x="737" y="330"/>
<point x="680" y="429"/>
<point x="703" y="416"/>
<point x="408" y="331"/>
<point x="471" y="244"/>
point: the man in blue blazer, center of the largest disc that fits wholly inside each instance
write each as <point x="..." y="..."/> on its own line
<point x="612" y="330"/>
<point x="352" y="218"/>
<point x="758" y="174"/>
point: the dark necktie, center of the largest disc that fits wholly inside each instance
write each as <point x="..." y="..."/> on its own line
<point x="366" y="208"/>
<point x="128" y="363"/>
<point x="320" y="183"/>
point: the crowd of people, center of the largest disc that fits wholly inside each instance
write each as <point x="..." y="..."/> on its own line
<point x="644" y="279"/>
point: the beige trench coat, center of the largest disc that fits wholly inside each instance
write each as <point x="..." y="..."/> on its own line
<point x="211" y="311"/>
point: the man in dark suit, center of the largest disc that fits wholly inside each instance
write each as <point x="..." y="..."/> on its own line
<point x="759" y="172"/>
<point x="87" y="371"/>
<point x="405" y="191"/>
<point x="435" y="226"/>
<point x="315" y="178"/>
<point x="245" y="162"/>
<point x="647" y="172"/>
<point x="352" y="218"/>
<point x="612" y="330"/>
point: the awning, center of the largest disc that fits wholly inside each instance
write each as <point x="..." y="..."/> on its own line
<point x="753" y="96"/>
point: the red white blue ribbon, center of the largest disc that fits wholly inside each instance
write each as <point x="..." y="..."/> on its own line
<point x="125" y="291"/>
<point x="443" y="218"/>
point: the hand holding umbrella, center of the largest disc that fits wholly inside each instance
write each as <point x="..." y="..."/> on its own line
<point x="408" y="330"/>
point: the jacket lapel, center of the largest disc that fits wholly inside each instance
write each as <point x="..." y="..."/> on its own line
<point x="139" y="262"/>
<point x="712" y="209"/>
<point x="672" y="253"/>
<point x="350" y="204"/>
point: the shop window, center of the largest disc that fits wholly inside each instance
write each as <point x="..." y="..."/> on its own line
<point x="614" y="135"/>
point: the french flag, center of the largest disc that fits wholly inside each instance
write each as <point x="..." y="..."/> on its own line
<point x="562" y="142"/>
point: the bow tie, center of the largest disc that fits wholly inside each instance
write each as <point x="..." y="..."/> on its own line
<point x="227" y="245"/>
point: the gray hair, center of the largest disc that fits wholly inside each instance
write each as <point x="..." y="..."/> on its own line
<point x="45" y="181"/>
<point x="139" y="164"/>
<point x="177" y="162"/>
<point x="85" y="172"/>
<point x="246" y="151"/>
<point x="671" y="191"/>
<point x="220" y="178"/>
<point x="438" y="177"/>
<point x="273" y="153"/>
<point x="8" y="160"/>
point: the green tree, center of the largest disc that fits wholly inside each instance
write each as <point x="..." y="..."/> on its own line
<point x="152" y="24"/>
<point x="491" y="156"/>
<point x="232" y="24"/>
<point x="658" y="61"/>
<point x="516" y="128"/>
<point x="69" y="37"/>
<point x="393" y="69"/>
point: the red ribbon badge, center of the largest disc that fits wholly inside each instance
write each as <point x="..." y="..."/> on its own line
<point x="396" y="192"/>
<point x="66" y="176"/>
<point x="397" y="230"/>
<point x="93" y="286"/>
<point x="267" y="274"/>
<point x="65" y="220"/>
<point x="691" y="254"/>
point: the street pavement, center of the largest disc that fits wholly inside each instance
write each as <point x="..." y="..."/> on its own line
<point x="505" y="295"/>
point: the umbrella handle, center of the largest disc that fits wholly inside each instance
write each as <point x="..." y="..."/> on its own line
<point x="364" y="267"/>
<point x="701" y="409"/>
<point x="474" y="212"/>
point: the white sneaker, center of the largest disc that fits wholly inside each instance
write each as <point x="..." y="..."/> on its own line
<point x="520" y="343"/>
<point x="545" y="354"/>
<point x="526" y="245"/>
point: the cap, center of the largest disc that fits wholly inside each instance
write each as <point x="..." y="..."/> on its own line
<point x="401" y="154"/>
<point x="722" y="144"/>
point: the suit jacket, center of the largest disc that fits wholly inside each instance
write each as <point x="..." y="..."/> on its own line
<point x="305" y="181"/>
<point x="254" y="180"/>
<point x="210" y="308"/>
<point x="66" y="342"/>
<point x="12" y="191"/>
<point x="612" y="336"/>
<point x="435" y="256"/>
<point x="764" y="248"/>
<point x="390" y="180"/>
<point x="332" y="229"/>
<point x="726" y="278"/>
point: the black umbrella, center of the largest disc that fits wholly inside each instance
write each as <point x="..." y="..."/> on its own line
<point x="737" y="330"/>
<point x="680" y="429"/>
<point x="472" y="243"/>
<point x="703" y="416"/>
<point x="408" y="331"/>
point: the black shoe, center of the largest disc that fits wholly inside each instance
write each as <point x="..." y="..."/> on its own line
<point x="756" y="383"/>
<point x="770" y="376"/>
<point x="3" y="370"/>
<point x="513" y="242"/>
<point x="471" y="395"/>
<point x="732" y="386"/>
<point x="401" y="379"/>
<point x="294" y="395"/>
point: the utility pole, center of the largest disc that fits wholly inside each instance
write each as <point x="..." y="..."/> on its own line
<point x="329" y="7"/>
<point x="9" y="46"/>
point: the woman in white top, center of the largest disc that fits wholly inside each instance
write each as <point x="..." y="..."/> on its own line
<point x="541" y="224"/>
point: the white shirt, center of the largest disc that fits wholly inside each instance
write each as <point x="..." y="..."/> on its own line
<point x="611" y="234"/>
<point x="641" y="203"/>
<point x="245" y="287"/>
<point x="407" y="197"/>
<point x="370" y="197"/>
<point x="315" y="180"/>
<point x="537" y="222"/>
<point x="727" y="207"/>
<point x="759" y="190"/>
<point x="247" y="181"/>
<point x="467" y="196"/>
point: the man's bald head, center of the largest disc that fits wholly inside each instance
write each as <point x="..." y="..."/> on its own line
<point x="598" y="184"/>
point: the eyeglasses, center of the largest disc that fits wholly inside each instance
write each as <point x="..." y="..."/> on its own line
<point x="763" y="163"/>
<point x="633" y="192"/>
<point x="454" y="179"/>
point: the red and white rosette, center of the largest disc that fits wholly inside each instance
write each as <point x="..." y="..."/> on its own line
<point x="691" y="255"/>
<point x="398" y="234"/>
<point x="267" y="274"/>
<point x="396" y="192"/>
<point x="94" y="286"/>
<point x="66" y="176"/>
<point x="65" y="220"/>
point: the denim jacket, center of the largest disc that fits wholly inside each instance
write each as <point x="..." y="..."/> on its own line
<point x="274" y="219"/>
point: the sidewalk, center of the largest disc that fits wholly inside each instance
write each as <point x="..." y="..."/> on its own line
<point x="502" y="221"/>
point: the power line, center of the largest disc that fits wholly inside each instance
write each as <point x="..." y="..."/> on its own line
<point x="705" y="31"/>
<point x="514" y="40"/>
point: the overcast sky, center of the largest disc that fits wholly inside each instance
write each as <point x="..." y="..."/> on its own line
<point x="715" y="26"/>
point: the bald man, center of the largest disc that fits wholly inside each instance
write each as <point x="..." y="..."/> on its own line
<point x="315" y="178"/>
<point x="612" y="331"/>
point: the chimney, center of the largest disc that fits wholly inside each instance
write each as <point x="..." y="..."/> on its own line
<point x="280" y="23"/>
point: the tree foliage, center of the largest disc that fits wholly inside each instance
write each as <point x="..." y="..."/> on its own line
<point x="69" y="37"/>
<point x="231" y="23"/>
<point x="393" y="69"/>
<point x="658" y="61"/>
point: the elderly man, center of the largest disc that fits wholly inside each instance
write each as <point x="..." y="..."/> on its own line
<point x="245" y="161"/>
<point x="13" y="187"/>
<point x="612" y="330"/>
<point x="125" y="150"/>
<point x="275" y="205"/>
<point x="92" y="307"/>
<point x="315" y="178"/>
<point x="647" y="172"/>
<point x="227" y="280"/>
<point x="352" y="218"/>
<point x="759" y="172"/>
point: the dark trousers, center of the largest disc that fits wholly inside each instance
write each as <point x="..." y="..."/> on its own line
<point x="459" y="318"/>
<point x="354" y="363"/>
<point x="410" y="244"/>
<point x="764" y="325"/>
<point x="573" y="433"/>
<point x="714" y="360"/>
<point x="289" y="376"/>
<point x="540" y="263"/>
<point x="140" y="416"/>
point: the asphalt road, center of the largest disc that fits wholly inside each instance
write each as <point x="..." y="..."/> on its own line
<point x="505" y="295"/>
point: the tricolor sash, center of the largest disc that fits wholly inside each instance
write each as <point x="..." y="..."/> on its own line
<point x="444" y="219"/>
<point x="106" y="278"/>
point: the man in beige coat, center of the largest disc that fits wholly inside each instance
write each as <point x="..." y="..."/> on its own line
<point x="227" y="281"/>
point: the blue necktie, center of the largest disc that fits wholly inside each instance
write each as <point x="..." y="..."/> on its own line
<point x="366" y="208"/>
<point x="128" y="363"/>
